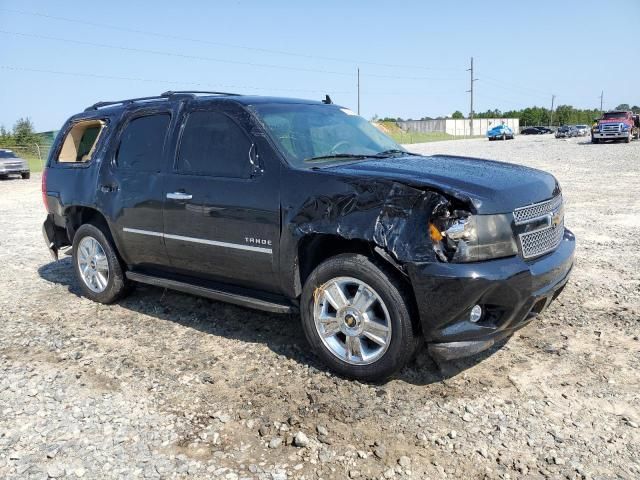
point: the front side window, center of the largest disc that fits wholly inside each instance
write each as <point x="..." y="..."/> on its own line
<point x="80" y="143"/>
<point x="213" y="144"/>
<point x="142" y="143"/>
<point x="308" y="134"/>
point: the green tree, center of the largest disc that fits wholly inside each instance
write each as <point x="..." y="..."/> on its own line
<point x="23" y="132"/>
<point x="457" y="114"/>
<point x="635" y="109"/>
<point x="6" y="138"/>
<point x="623" y="106"/>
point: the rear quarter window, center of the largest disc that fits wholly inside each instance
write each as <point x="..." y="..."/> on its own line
<point x="80" y="142"/>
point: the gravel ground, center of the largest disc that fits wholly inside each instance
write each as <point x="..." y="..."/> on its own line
<point x="165" y="385"/>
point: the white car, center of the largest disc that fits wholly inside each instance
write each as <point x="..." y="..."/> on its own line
<point x="583" y="130"/>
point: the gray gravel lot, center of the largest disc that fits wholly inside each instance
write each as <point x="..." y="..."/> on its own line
<point x="165" y="385"/>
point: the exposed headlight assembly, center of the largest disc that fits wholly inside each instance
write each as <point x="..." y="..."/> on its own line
<point x="459" y="236"/>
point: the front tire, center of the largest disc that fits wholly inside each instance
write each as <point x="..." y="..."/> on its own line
<point x="356" y="315"/>
<point x="97" y="266"/>
<point x="26" y="176"/>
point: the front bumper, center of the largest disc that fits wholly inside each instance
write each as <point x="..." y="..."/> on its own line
<point x="511" y="292"/>
<point x="13" y="170"/>
<point x="611" y="135"/>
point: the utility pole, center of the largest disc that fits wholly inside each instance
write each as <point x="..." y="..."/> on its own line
<point x="471" y="92"/>
<point x="601" y="99"/>
<point x="358" y="90"/>
<point x="553" y="98"/>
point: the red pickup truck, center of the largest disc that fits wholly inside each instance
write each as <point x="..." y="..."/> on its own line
<point x="618" y="125"/>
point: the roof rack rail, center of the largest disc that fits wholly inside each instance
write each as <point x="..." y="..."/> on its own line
<point x="128" y="101"/>
<point x="163" y="96"/>
<point x="171" y="92"/>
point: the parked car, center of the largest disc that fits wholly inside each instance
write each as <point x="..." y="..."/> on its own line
<point x="298" y="206"/>
<point x="500" y="132"/>
<point x="566" y="131"/>
<point x="582" y="130"/>
<point x="11" y="164"/>
<point x="545" y="129"/>
<point x="532" y="131"/>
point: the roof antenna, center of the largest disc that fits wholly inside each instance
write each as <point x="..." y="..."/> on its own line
<point x="327" y="100"/>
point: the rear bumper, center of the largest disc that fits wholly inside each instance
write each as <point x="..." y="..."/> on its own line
<point x="510" y="291"/>
<point x="55" y="236"/>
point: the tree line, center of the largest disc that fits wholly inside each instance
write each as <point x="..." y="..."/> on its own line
<point x="22" y="134"/>
<point x="562" y="115"/>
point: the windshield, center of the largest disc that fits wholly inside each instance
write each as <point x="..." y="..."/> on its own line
<point x="313" y="134"/>
<point x="7" y="154"/>
<point x="610" y="115"/>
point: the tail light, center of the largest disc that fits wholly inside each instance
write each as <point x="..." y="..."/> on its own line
<point x="44" y="189"/>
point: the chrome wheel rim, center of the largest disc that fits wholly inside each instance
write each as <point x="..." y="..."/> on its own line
<point x="352" y="320"/>
<point x="93" y="264"/>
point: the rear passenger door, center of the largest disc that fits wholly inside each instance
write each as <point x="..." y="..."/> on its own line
<point x="222" y="205"/>
<point x="132" y="186"/>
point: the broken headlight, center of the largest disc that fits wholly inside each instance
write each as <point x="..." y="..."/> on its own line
<point x="459" y="236"/>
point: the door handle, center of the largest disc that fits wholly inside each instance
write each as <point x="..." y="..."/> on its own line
<point x="179" y="196"/>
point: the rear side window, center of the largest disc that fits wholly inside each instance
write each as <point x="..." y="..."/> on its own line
<point x="213" y="144"/>
<point x="142" y="143"/>
<point x="80" y="143"/>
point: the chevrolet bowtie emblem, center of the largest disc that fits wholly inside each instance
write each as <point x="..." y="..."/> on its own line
<point x="556" y="218"/>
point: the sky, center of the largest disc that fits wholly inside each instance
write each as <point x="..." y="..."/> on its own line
<point x="57" y="58"/>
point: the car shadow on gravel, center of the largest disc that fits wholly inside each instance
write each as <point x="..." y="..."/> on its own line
<point x="280" y="333"/>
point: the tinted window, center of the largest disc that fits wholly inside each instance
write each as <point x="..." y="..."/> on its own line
<point x="213" y="144"/>
<point x="7" y="154"/>
<point x="142" y="143"/>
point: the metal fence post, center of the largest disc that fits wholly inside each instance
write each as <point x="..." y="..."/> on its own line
<point x="39" y="155"/>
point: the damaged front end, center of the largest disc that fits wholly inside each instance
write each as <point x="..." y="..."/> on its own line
<point x="459" y="236"/>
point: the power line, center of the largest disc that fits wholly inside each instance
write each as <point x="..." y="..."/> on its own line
<point x="197" y="84"/>
<point x="161" y="81"/>
<point x="221" y="44"/>
<point x="512" y="86"/>
<point x="198" y="57"/>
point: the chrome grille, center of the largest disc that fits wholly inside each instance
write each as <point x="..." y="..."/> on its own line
<point x="548" y="217"/>
<point x="541" y="241"/>
<point x="525" y="214"/>
<point x="610" y="128"/>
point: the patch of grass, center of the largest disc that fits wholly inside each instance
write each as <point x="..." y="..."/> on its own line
<point x="34" y="162"/>
<point x="400" y="136"/>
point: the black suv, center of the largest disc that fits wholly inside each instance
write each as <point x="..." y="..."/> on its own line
<point x="300" y="206"/>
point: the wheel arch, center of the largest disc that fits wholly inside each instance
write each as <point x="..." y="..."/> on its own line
<point x="314" y="249"/>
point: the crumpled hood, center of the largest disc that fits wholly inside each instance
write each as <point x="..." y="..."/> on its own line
<point x="490" y="186"/>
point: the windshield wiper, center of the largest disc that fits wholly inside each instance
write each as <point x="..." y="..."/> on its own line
<point x="388" y="153"/>
<point x="357" y="156"/>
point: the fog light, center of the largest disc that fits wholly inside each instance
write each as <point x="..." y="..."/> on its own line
<point x="476" y="313"/>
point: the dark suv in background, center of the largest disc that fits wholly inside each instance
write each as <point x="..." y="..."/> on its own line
<point x="300" y="206"/>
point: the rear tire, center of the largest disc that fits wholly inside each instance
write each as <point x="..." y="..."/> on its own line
<point x="346" y="343"/>
<point x="97" y="266"/>
<point x="26" y="176"/>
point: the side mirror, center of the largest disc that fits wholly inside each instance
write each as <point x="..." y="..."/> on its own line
<point x="254" y="161"/>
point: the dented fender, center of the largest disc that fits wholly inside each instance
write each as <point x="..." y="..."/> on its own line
<point x="391" y="216"/>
